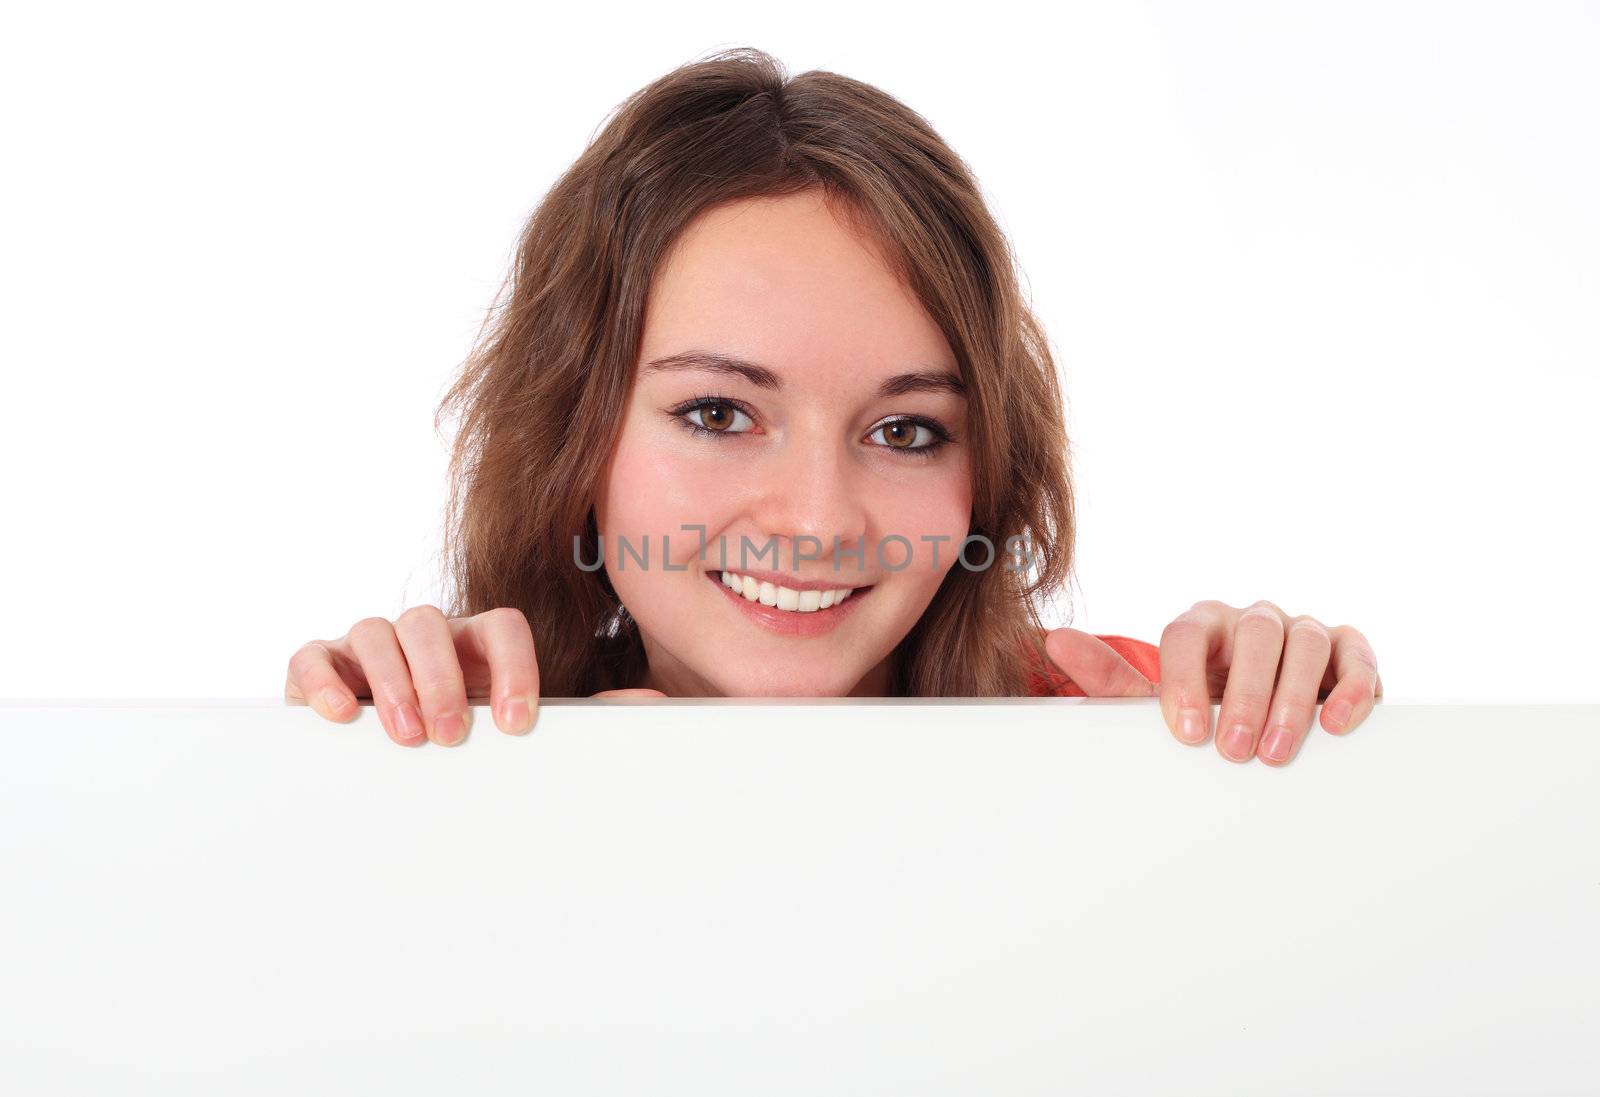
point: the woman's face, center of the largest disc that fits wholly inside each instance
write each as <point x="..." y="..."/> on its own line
<point x="810" y="445"/>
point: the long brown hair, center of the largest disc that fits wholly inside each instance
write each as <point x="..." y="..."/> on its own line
<point x="546" y="385"/>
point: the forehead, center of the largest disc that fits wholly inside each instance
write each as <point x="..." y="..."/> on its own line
<point x="781" y="280"/>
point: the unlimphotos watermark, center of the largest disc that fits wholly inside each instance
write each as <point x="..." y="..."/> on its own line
<point x="1018" y="555"/>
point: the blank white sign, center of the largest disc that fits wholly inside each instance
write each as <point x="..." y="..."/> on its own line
<point x="1015" y="896"/>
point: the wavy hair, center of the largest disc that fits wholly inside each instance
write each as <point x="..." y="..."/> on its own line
<point x="550" y="372"/>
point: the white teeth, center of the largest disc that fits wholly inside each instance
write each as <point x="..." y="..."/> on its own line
<point x="771" y="594"/>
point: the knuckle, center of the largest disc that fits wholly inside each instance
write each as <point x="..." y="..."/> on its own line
<point x="1310" y="627"/>
<point x="369" y="628"/>
<point x="1185" y="624"/>
<point x="504" y="615"/>
<point x="1261" y="619"/>
<point x="439" y="685"/>
<point x="1360" y="651"/>
<point x="306" y="658"/>
<point x="291" y="682"/>
<point x="1250" y="704"/>
<point x="1295" y="715"/>
<point x="420" y="614"/>
<point x="1352" y="635"/>
<point x="392" y="695"/>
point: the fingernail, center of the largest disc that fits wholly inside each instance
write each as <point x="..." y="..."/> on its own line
<point x="449" y="729"/>
<point x="513" y="712"/>
<point x="1193" y="728"/>
<point x="407" y="722"/>
<point x="333" y="700"/>
<point x="1339" y="714"/>
<point x="1278" y="744"/>
<point x="1236" y="744"/>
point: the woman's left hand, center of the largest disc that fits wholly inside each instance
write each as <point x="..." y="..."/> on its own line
<point x="1266" y="711"/>
<point x="1269" y="669"/>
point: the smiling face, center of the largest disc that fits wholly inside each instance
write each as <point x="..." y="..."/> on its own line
<point x="831" y="390"/>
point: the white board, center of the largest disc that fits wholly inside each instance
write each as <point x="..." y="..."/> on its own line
<point x="918" y="897"/>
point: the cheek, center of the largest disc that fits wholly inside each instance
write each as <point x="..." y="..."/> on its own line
<point x="649" y="497"/>
<point x="923" y="511"/>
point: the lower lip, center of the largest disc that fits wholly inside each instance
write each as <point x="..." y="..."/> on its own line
<point x="791" y="622"/>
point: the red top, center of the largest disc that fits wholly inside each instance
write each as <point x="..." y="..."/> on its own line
<point x="1144" y="657"/>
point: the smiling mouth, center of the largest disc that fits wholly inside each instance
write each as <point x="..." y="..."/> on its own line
<point x="801" y="603"/>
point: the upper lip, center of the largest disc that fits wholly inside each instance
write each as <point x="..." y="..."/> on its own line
<point x="778" y="579"/>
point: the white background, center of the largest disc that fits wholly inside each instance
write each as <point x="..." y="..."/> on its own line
<point x="1321" y="279"/>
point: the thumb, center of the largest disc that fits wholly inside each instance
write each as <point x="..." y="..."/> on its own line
<point x="628" y="693"/>
<point x="1095" y="665"/>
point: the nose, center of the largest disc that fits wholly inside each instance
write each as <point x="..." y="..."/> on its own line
<point x="810" y="488"/>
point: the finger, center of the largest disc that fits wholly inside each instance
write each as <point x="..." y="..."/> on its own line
<point x="1094" y="665"/>
<point x="315" y="679"/>
<point x="373" y="642"/>
<point x="1294" y="705"/>
<point x="430" y="651"/>
<point x="1357" y="685"/>
<point x="1188" y="647"/>
<point x="1258" y="637"/>
<point x="502" y="640"/>
<point x="628" y="693"/>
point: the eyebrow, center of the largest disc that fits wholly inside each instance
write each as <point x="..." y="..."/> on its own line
<point x="928" y="380"/>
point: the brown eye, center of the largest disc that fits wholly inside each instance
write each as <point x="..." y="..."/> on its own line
<point x="711" y="417"/>
<point x="900" y="433"/>
<point x="717" y="417"/>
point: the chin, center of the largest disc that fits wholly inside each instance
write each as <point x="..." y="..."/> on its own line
<point x="801" y="684"/>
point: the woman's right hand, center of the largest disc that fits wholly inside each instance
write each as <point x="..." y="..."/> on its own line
<point x="420" y="670"/>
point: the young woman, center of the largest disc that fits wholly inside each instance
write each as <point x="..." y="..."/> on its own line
<point x="761" y="412"/>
